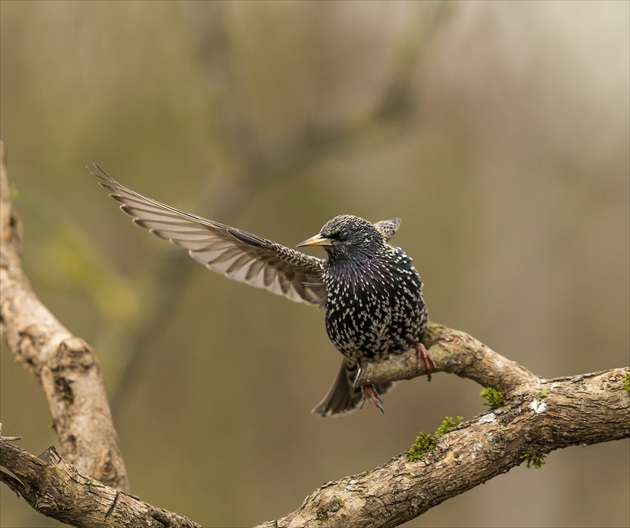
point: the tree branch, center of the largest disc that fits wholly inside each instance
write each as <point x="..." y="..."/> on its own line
<point x="64" y="364"/>
<point x="585" y="409"/>
<point x="538" y="416"/>
<point x="455" y="352"/>
<point x="549" y="415"/>
<point x="57" y="489"/>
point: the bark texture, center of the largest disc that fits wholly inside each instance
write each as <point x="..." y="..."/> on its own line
<point x="541" y="417"/>
<point x="57" y="489"/>
<point x="65" y="365"/>
<point x="87" y="487"/>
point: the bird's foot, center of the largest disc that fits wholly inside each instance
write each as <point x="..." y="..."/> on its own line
<point x="425" y="357"/>
<point x="369" y="391"/>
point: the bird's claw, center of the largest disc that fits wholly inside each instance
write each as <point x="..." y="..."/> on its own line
<point x="370" y="391"/>
<point x="425" y="357"/>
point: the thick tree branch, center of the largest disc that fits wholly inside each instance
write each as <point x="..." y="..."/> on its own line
<point x="558" y="413"/>
<point x="57" y="489"/>
<point x="64" y="364"/>
<point x="539" y="416"/>
<point x="585" y="409"/>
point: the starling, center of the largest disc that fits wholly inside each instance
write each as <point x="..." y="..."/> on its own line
<point x="370" y="290"/>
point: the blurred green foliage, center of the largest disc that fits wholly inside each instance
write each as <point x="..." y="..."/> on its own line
<point x="75" y="263"/>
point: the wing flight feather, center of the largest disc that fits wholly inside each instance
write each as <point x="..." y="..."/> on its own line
<point x="237" y="254"/>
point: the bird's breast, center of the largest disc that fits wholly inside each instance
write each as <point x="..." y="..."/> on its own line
<point x="373" y="310"/>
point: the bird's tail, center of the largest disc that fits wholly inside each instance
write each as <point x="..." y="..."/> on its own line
<point x="342" y="396"/>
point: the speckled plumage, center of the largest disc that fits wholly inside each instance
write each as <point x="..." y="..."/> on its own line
<point x="371" y="291"/>
<point x="374" y="304"/>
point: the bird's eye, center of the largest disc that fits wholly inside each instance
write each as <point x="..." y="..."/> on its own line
<point x="344" y="235"/>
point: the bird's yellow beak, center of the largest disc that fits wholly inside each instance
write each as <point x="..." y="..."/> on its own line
<point x="317" y="240"/>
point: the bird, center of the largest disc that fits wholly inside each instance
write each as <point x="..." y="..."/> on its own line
<point x="370" y="290"/>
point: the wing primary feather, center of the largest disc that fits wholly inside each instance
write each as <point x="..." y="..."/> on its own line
<point x="237" y="254"/>
<point x="246" y="237"/>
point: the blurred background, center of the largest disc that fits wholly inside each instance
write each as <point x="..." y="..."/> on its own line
<point x="498" y="131"/>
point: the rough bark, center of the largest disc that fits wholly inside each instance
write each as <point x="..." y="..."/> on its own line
<point x="473" y="360"/>
<point x="539" y="418"/>
<point x="57" y="489"/>
<point x="88" y="487"/>
<point x="65" y="365"/>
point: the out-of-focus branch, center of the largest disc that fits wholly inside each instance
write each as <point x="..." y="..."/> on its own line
<point x="257" y="164"/>
<point x="64" y="364"/>
<point x="58" y="490"/>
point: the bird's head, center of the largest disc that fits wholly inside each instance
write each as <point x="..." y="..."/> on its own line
<point x="347" y="237"/>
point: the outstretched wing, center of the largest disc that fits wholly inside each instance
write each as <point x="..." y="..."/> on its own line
<point x="387" y="228"/>
<point x="236" y="254"/>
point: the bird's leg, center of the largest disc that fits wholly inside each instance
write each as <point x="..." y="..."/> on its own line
<point x="426" y="358"/>
<point x="369" y="391"/>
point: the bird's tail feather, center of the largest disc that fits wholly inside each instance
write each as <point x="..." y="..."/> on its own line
<point x="343" y="397"/>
